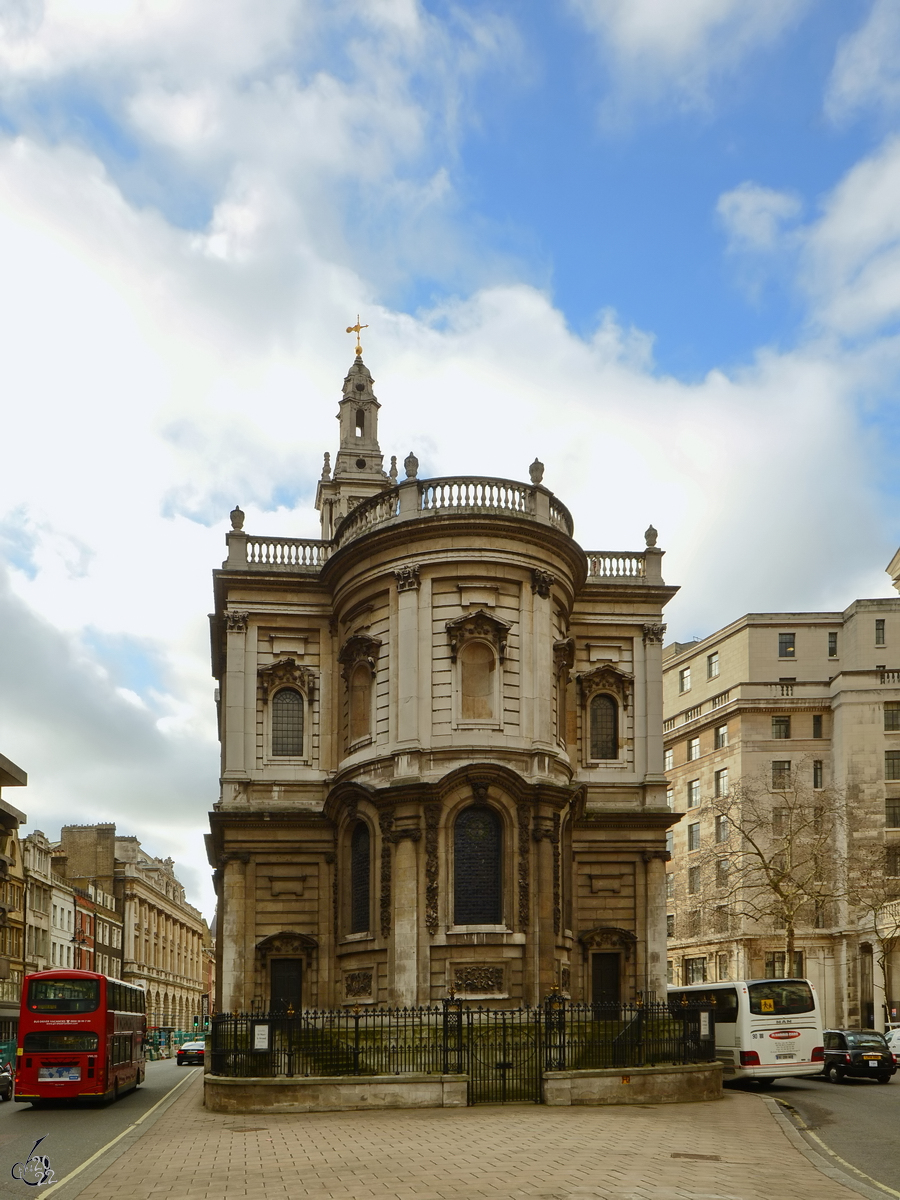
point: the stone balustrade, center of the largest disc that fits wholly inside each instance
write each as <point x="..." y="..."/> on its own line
<point x="615" y="564"/>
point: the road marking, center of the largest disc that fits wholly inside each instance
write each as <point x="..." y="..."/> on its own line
<point x="103" y="1149"/>
<point x="809" y="1133"/>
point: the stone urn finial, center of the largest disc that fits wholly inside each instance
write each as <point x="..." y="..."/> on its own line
<point x="411" y="465"/>
<point x="393" y="471"/>
<point x="536" y="471"/>
<point x="326" y="468"/>
<point x="237" y="519"/>
<point x="650" y="536"/>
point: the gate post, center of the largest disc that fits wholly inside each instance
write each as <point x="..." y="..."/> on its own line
<point x="453" y="1035"/>
<point x="555" y="1031"/>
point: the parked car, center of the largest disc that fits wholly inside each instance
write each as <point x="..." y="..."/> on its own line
<point x="191" y="1052"/>
<point x="6" y="1082"/>
<point x="892" y="1037"/>
<point x="857" y="1054"/>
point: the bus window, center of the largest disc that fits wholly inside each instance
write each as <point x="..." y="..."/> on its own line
<point x="726" y="1005"/>
<point x="63" y="995"/>
<point x="776" y="998"/>
<point x="37" y="1043"/>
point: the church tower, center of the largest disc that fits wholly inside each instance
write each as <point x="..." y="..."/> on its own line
<point x="359" y="466"/>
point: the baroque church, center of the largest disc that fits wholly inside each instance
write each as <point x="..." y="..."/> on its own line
<point x="442" y="747"/>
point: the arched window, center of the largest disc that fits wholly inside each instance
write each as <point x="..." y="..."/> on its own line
<point x="360" y="422"/>
<point x="360" y="878"/>
<point x="477" y="867"/>
<point x="287" y="723"/>
<point x="360" y="703"/>
<point x="477" y="665"/>
<point x="604" y="727"/>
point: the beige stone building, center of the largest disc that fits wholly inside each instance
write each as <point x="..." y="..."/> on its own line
<point x="12" y="890"/>
<point x="162" y="936"/>
<point x="442" y="763"/>
<point x="790" y="704"/>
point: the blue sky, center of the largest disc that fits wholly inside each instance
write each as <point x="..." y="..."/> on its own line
<point x="657" y="245"/>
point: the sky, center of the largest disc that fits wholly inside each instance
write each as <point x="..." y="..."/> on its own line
<point x="655" y="245"/>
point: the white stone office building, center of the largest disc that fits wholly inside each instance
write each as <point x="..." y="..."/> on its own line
<point x="441" y="730"/>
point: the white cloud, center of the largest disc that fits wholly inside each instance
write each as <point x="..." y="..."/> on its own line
<point x="866" y="71"/>
<point x="658" y="49"/>
<point x="754" y="216"/>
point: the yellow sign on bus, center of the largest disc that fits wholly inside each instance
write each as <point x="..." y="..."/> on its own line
<point x="767" y="1005"/>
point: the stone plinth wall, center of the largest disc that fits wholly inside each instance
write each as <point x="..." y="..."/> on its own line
<point x="334" y="1093"/>
<point x="634" y="1085"/>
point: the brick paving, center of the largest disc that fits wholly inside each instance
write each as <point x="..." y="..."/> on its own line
<point x="514" y="1152"/>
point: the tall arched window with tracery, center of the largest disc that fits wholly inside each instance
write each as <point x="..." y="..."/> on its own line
<point x="604" y="715"/>
<point x="477" y="667"/>
<point x="360" y="878"/>
<point x="287" y="723"/>
<point x="478" y="867"/>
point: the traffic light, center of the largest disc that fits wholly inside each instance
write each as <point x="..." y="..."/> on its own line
<point x="196" y="1024"/>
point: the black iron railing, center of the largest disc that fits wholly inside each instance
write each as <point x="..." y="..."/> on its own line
<point x="503" y="1051"/>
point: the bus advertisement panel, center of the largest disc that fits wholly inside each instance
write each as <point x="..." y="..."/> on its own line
<point x="765" y="1028"/>
<point x="81" y="1036"/>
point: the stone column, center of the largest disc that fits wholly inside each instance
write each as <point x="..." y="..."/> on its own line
<point x="405" y="932"/>
<point x="407" y="666"/>
<point x="232" y="934"/>
<point x="233" y="765"/>
<point x="655" y="922"/>
<point x="653" y="713"/>
<point x="547" y="900"/>
<point x="541" y="654"/>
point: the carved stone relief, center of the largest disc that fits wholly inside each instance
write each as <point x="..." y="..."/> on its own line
<point x="542" y="582"/>
<point x="565" y="980"/>
<point x="523" y="812"/>
<point x="563" y="656"/>
<point x="478" y="979"/>
<point x="285" y="672"/>
<point x="358" y="985"/>
<point x="607" y="679"/>
<point x="296" y="945"/>
<point x="407" y="578"/>
<point x="236" y="622"/>
<point x="386" y="824"/>
<point x="608" y="937"/>
<point x="654" y="633"/>
<point x="359" y="648"/>
<point x="479" y="624"/>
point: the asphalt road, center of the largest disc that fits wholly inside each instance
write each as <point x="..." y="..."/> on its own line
<point x="72" y="1135"/>
<point x="858" y="1120"/>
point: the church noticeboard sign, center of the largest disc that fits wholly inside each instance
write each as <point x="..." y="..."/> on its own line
<point x="260" y="1036"/>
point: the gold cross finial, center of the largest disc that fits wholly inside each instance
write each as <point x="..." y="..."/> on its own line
<point x="357" y="328"/>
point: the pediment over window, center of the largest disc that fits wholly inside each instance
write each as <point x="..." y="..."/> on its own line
<point x="608" y="937"/>
<point x="481" y="625"/>
<point x="295" y="945"/>
<point x="607" y="679"/>
<point x="285" y="672"/>
<point x="359" y="648"/>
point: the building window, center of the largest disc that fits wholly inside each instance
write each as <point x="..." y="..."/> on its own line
<point x="287" y="723"/>
<point x="781" y="823"/>
<point x="712" y="665"/>
<point x="879" y="631"/>
<point x="818" y="773"/>
<point x="720" y="919"/>
<point x="693" y="793"/>
<point x="670" y="971"/>
<point x="695" y="923"/>
<point x="722" y="966"/>
<point x="832" y="645"/>
<point x="477" y="667"/>
<point x="693" y="749"/>
<point x="723" y="830"/>
<point x="360" y="878"/>
<point x="695" y="969"/>
<point x="694" y="836"/>
<point x="892" y="813"/>
<point x="775" y="960"/>
<point x="723" y="866"/>
<point x="684" y="679"/>
<point x="781" y="727"/>
<point x="670" y="797"/>
<point x="670" y="925"/>
<point x="892" y="764"/>
<point x="670" y="886"/>
<point x="668" y="759"/>
<point x="892" y="861"/>
<point x="604" y="727"/>
<point x="786" y="645"/>
<point x="817" y="725"/>
<point x="781" y="774"/>
<point x="477" y="866"/>
<point x="892" y="715"/>
<point x="720" y="783"/>
<point x="693" y="880"/>
<point x="721" y="737"/>
<point x="360" y="703"/>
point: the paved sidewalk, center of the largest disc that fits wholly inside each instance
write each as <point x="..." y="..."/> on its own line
<point x="517" y="1152"/>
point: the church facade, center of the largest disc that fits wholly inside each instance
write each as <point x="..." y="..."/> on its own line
<point x="442" y="747"/>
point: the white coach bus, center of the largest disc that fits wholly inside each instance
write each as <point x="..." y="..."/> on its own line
<point x="765" y="1028"/>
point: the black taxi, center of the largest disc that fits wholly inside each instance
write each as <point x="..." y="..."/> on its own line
<point x="857" y="1054"/>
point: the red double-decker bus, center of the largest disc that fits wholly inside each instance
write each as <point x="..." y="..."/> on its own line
<point x="81" y="1036"/>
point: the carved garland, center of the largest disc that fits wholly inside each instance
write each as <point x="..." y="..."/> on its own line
<point x="358" y="984"/>
<point x="479" y="624"/>
<point x="607" y="679"/>
<point x="478" y="979"/>
<point x="286" y="672"/>
<point x="356" y="649"/>
<point x="432" y="820"/>
<point x="523" y="813"/>
<point x="386" y="824"/>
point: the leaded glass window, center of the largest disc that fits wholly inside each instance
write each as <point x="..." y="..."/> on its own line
<point x="604" y="727"/>
<point x="287" y="722"/>
<point x="477" y="867"/>
<point x="360" y="878"/>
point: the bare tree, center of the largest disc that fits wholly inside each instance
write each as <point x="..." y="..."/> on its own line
<point x="873" y="891"/>
<point x="778" y="855"/>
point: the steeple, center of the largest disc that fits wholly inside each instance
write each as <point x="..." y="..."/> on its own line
<point x="359" y="464"/>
